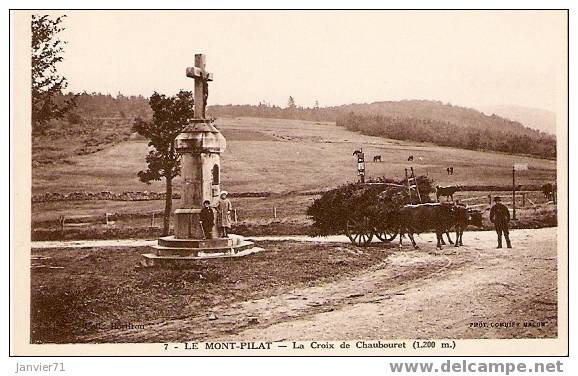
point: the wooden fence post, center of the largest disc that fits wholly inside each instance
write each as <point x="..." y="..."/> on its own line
<point x="490" y="197"/>
<point x="274" y="211"/>
<point x="523" y="199"/>
<point x="235" y="212"/>
<point x="514" y="193"/>
<point x="62" y="220"/>
<point x="153" y="220"/>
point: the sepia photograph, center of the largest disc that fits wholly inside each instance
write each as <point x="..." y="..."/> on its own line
<point x="290" y="182"/>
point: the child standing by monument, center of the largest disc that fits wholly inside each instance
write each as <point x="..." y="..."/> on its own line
<point x="224" y="214"/>
<point x="207" y="219"/>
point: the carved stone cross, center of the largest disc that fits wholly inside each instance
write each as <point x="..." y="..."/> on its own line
<point x="202" y="78"/>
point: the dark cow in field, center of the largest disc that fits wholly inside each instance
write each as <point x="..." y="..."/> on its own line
<point x="549" y="190"/>
<point x="377" y="158"/>
<point x="410" y="158"/>
<point x="440" y="217"/>
<point x="447" y="191"/>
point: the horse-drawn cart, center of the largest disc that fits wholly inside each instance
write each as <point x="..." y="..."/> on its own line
<point x="364" y="211"/>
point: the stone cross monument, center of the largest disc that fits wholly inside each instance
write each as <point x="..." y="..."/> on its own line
<point x="202" y="78"/>
<point x="200" y="145"/>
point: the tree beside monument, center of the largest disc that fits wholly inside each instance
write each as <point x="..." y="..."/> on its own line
<point x="170" y="116"/>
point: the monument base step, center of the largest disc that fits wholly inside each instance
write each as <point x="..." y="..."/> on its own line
<point x="153" y="260"/>
<point x="171" y="241"/>
<point x="173" y="251"/>
<point x="184" y="252"/>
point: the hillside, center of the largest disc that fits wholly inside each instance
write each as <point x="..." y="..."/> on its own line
<point x="445" y="133"/>
<point x="102" y="120"/>
<point x="97" y="122"/>
<point x="417" y="109"/>
<point x="418" y="120"/>
<point x="440" y="112"/>
<point x="535" y="118"/>
<point x="282" y="156"/>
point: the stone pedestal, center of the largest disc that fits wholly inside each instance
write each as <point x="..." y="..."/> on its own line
<point x="200" y="145"/>
<point x="184" y="252"/>
<point x="187" y="224"/>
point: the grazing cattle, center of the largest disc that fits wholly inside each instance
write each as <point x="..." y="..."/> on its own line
<point x="410" y="158"/>
<point x="549" y="190"/>
<point x="423" y="217"/>
<point x="377" y="158"/>
<point x="447" y="191"/>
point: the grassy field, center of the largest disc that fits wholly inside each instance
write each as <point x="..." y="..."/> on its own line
<point x="267" y="155"/>
<point x="289" y="156"/>
<point x="75" y="293"/>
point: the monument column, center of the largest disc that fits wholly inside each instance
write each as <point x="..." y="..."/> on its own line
<point x="200" y="145"/>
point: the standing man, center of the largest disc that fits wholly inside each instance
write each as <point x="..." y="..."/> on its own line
<point x="224" y="214"/>
<point x="207" y="219"/>
<point x="500" y="217"/>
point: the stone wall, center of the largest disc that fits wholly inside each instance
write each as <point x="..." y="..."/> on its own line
<point x="148" y="196"/>
<point x="106" y="195"/>
<point x="124" y="196"/>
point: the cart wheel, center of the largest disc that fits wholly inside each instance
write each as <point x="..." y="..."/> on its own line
<point x="386" y="235"/>
<point x="359" y="231"/>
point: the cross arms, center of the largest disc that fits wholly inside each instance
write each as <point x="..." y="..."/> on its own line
<point x="197" y="73"/>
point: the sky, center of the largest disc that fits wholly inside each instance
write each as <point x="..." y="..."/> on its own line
<point x="474" y="58"/>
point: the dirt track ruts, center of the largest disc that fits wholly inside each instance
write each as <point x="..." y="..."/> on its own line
<point x="472" y="284"/>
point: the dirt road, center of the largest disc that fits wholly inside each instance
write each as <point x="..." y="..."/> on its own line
<point x="475" y="291"/>
<point x="145" y="242"/>
<point x="504" y="287"/>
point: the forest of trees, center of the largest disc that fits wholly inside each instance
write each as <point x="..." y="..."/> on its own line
<point x="444" y="133"/>
<point x="97" y="105"/>
<point x="264" y="110"/>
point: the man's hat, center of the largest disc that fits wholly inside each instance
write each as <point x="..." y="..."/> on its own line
<point x="497" y="199"/>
